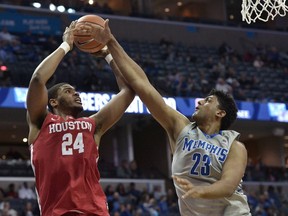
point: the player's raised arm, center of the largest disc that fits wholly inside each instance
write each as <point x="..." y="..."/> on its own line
<point x="171" y="120"/>
<point x="114" y="109"/>
<point x="37" y="98"/>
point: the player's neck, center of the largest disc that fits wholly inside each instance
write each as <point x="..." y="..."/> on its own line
<point x="210" y="128"/>
<point x="64" y="115"/>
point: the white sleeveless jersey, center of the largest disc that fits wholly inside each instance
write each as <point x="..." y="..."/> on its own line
<point x="199" y="158"/>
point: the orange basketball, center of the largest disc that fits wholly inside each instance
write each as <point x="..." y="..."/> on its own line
<point x="85" y="42"/>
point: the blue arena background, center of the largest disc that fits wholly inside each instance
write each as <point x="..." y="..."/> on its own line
<point x="92" y="101"/>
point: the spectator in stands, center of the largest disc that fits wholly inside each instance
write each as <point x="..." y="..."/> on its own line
<point x="231" y="77"/>
<point x="25" y="192"/>
<point x="248" y="56"/>
<point x="222" y="85"/>
<point x="163" y="206"/>
<point x="259" y="171"/>
<point x="209" y="64"/>
<point x="121" y="189"/>
<point x="149" y="205"/>
<point x="258" y="63"/>
<point x="2" y="197"/>
<point x="182" y="87"/>
<point x="165" y="41"/>
<point x="109" y="192"/>
<point x="194" y="88"/>
<point x="116" y="202"/>
<point x="272" y="193"/>
<point x="265" y="205"/>
<point x="6" y="209"/>
<point x="157" y="193"/>
<point x="134" y="170"/>
<point x="225" y="50"/>
<point x="28" y="210"/>
<point x="283" y="198"/>
<point x="252" y="200"/>
<point x="244" y="81"/>
<point x="124" y="210"/>
<point x="123" y="171"/>
<point x="5" y="35"/>
<point x="134" y="193"/>
<point x="273" y="57"/>
<point x="12" y="193"/>
<point x="239" y="94"/>
<point x="172" y="198"/>
<point x="7" y="52"/>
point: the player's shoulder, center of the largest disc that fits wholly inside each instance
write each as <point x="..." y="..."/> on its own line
<point x="239" y="145"/>
<point x="231" y="133"/>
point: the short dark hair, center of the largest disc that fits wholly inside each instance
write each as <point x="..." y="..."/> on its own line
<point x="227" y="103"/>
<point x="53" y="93"/>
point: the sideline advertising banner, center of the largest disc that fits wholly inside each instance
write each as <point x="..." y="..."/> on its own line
<point x="94" y="101"/>
<point x="18" y="22"/>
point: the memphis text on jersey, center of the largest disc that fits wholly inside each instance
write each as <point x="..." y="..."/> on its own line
<point x="219" y="152"/>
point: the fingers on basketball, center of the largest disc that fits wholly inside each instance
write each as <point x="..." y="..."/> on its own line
<point x="83" y="38"/>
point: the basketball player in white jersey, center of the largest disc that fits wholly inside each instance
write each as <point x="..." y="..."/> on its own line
<point x="208" y="161"/>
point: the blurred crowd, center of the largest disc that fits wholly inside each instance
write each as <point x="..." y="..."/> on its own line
<point x="14" y="163"/>
<point x="131" y="201"/>
<point x="259" y="74"/>
<point x="264" y="186"/>
<point x="122" y="201"/>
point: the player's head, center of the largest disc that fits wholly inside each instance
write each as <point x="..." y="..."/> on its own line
<point x="64" y="98"/>
<point x="217" y="105"/>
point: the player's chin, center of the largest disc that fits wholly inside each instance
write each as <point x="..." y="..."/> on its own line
<point x="79" y="107"/>
<point x="194" y="116"/>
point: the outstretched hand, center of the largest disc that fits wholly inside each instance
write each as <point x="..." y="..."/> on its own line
<point x="100" y="34"/>
<point x="190" y="190"/>
<point x="68" y="35"/>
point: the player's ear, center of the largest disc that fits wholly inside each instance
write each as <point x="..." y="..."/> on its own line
<point x="53" y="102"/>
<point x="220" y="113"/>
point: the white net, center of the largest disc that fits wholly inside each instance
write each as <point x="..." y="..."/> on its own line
<point x="263" y="10"/>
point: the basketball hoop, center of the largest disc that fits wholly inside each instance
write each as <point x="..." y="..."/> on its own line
<point x="263" y="10"/>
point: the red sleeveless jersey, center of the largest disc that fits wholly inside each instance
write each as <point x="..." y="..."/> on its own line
<point x="64" y="159"/>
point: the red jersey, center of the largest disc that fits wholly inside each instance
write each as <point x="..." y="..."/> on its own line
<point x="64" y="158"/>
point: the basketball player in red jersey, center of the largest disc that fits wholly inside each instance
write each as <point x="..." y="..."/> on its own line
<point x="64" y="148"/>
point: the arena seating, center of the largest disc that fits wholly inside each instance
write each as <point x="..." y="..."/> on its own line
<point x="159" y="61"/>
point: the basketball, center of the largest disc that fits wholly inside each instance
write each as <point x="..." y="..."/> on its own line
<point x="85" y="42"/>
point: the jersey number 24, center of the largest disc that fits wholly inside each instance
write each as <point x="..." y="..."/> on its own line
<point x="69" y="144"/>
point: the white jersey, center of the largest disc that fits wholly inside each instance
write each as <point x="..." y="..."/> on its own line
<point x="199" y="158"/>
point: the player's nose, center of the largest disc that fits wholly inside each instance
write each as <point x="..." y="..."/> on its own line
<point x="200" y="102"/>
